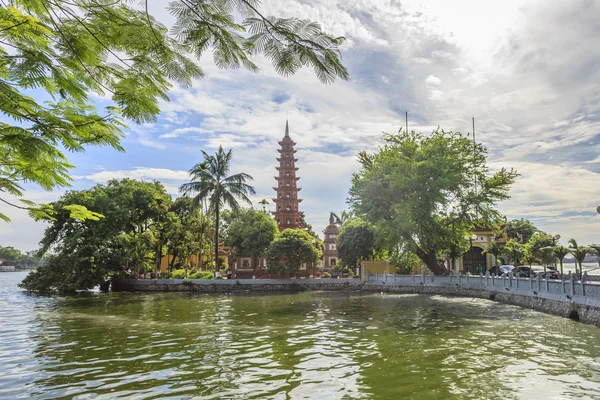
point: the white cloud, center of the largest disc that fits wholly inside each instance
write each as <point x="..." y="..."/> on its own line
<point x="432" y="80"/>
<point x="138" y="173"/>
<point x="183" y="131"/>
<point x="531" y="89"/>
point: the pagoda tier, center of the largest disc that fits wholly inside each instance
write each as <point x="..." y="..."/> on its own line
<point x="285" y="143"/>
<point x="287" y="213"/>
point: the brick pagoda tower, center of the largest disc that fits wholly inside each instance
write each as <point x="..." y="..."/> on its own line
<point x="287" y="214"/>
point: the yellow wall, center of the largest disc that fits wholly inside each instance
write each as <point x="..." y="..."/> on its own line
<point x="376" y="267"/>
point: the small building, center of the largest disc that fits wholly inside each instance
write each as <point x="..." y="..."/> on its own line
<point x="474" y="260"/>
<point x="330" y="253"/>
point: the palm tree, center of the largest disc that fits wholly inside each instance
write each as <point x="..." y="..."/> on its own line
<point x="342" y="218"/>
<point x="514" y="251"/>
<point x="264" y="203"/>
<point x="546" y="256"/>
<point x="495" y="250"/>
<point x="579" y="253"/>
<point x="560" y="252"/>
<point x="210" y="182"/>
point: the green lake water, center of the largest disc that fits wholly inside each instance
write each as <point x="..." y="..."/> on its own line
<point x="288" y="346"/>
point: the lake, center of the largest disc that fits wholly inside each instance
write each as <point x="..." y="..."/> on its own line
<point x="288" y="346"/>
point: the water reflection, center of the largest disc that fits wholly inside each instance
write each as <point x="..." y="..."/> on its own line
<point x="309" y="345"/>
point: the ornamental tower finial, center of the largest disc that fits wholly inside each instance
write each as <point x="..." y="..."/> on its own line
<point x="287" y="128"/>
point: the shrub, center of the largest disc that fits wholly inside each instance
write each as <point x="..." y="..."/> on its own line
<point x="178" y="274"/>
<point x="325" y="275"/>
<point x="187" y="282"/>
<point x="202" y="275"/>
<point x="350" y="273"/>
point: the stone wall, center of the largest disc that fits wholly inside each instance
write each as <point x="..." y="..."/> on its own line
<point x="242" y="285"/>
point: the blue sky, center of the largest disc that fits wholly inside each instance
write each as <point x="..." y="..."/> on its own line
<point x="527" y="71"/>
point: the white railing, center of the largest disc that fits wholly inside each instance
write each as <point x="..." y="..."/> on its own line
<point x="535" y="286"/>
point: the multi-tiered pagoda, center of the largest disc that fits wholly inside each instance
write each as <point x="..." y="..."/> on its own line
<point x="287" y="214"/>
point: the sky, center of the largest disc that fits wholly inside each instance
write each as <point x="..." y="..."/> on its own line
<point x="526" y="70"/>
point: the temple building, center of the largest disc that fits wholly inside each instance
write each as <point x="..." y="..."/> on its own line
<point x="330" y="253"/>
<point x="287" y="215"/>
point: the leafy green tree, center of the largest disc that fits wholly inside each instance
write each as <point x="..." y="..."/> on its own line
<point x="251" y="233"/>
<point x="418" y="191"/>
<point x="356" y="242"/>
<point x="291" y="249"/>
<point x="210" y="181"/>
<point x="560" y="252"/>
<point x="10" y="254"/>
<point x="405" y="261"/>
<point x="579" y="253"/>
<point x="90" y="252"/>
<point x="529" y="256"/>
<point x="538" y="241"/>
<point x="186" y="232"/>
<point x="520" y="229"/>
<point x="116" y="50"/>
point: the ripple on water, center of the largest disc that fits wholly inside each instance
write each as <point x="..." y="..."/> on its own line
<point x="308" y="345"/>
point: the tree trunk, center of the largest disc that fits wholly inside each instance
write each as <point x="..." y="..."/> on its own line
<point x="217" y="241"/>
<point x="431" y="262"/>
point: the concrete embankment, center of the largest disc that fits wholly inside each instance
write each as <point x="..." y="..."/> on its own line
<point x="580" y="308"/>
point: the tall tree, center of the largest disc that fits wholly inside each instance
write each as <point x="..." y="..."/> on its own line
<point x="560" y="252"/>
<point x="418" y="190"/>
<point x="71" y="49"/>
<point x="514" y="251"/>
<point x="520" y="229"/>
<point x="210" y="181"/>
<point x="89" y="252"/>
<point x="291" y="249"/>
<point x="251" y="233"/>
<point x="356" y="242"/>
<point x="579" y="253"/>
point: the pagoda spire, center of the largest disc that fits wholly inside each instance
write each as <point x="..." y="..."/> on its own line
<point x="287" y="213"/>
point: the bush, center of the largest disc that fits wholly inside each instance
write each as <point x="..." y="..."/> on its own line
<point x="350" y="273"/>
<point x="202" y="275"/>
<point x="325" y="275"/>
<point x="178" y="274"/>
<point x="187" y="282"/>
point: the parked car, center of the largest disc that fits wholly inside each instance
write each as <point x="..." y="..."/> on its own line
<point x="524" y="272"/>
<point x="552" y="274"/>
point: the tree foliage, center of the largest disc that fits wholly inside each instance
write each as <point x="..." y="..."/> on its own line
<point x="89" y="252"/>
<point x="579" y="253"/>
<point x="291" y="249"/>
<point x="66" y="51"/>
<point x="211" y="183"/>
<point x="251" y="233"/>
<point x="356" y="242"/>
<point x="419" y="192"/>
<point x="520" y="229"/>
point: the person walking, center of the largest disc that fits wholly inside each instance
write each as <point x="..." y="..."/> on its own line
<point x="229" y="273"/>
